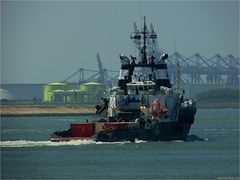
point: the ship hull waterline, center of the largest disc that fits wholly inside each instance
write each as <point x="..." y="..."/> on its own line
<point x="166" y="131"/>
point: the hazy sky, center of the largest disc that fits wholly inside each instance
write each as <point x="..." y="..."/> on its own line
<point x="45" y="41"/>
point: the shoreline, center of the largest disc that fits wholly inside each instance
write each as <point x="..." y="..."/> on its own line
<point x="46" y="110"/>
<point x="46" y="114"/>
<point x="28" y="110"/>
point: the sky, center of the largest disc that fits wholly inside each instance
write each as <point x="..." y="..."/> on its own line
<point x="46" y="41"/>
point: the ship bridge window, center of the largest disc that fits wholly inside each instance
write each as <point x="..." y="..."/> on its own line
<point x="141" y="88"/>
<point x="132" y="88"/>
<point x="144" y="88"/>
<point x="149" y="87"/>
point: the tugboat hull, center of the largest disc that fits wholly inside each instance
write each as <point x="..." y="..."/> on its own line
<point x="160" y="131"/>
<point x="163" y="132"/>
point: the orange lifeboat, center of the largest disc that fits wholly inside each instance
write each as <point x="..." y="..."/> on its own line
<point x="156" y="109"/>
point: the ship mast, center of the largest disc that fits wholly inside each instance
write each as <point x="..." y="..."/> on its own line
<point x="144" y="53"/>
<point x="140" y="40"/>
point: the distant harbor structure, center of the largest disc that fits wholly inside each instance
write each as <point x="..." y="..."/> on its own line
<point x="195" y="69"/>
<point x="5" y="95"/>
<point x="201" y="70"/>
<point x="198" y="74"/>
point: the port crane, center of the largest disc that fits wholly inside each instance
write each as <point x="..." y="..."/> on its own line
<point x="100" y="75"/>
<point x="195" y="69"/>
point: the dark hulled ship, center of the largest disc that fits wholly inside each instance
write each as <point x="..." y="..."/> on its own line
<point x="144" y="105"/>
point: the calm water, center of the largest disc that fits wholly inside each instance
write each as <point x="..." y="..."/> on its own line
<point x="27" y="153"/>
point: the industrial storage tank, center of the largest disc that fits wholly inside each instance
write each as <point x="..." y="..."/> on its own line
<point x="50" y="89"/>
<point x="5" y="95"/>
<point x="74" y="96"/>
<point x="92" y="86"/>
<point x="91" y="92"/>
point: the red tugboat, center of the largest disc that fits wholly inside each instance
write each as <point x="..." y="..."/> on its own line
<point x="143" y="106"/>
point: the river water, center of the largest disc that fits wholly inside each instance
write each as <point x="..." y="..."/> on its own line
<point x="26" y="152"/>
